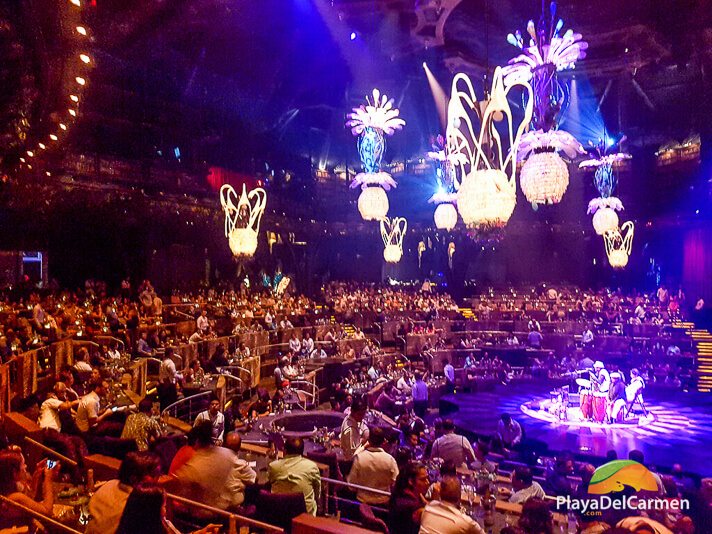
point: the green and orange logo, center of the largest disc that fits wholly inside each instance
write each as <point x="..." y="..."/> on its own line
<point x="616" y="475"/>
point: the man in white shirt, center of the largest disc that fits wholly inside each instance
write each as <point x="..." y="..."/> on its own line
<point x="444" y="516"/>
<point x="640" y="311"/>
<point x="50" y="408"/>
<point x="354" y="432"/>
<point x="269" y="321"/>
<point x="509" y="431"/>
<point x="307" y="344"/>
<point x="587" y="338"/>
<point x="213" y="475"/>
<point x="602" y="377"/>
<point x="215" y="417"/>
<point x="202" y="323"/>
<point x="294" y="344"/>
<point x="242" y="474"/>
<point x="168" y="369"/>
<point x="449" y="372"/>
<point x="375" y="468"/>
<point x="196" y="337"/>
<point x="89" y="412"/>
<point x="524" y="486"/>
<point x="404" y="384"/>
<point x="451" y="447"/>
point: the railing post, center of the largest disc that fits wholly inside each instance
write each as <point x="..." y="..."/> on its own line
<point x="232" y="528"/>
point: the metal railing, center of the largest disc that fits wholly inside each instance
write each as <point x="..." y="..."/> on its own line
<point x="244" y="374"/>
<point x="233" y="520"/>
<point x="187" y="409"/>
<point x="307" y="392"/>
<point x="122" y="345"/>
<point x="45" y="520"/>
<point x="329" y="495"/>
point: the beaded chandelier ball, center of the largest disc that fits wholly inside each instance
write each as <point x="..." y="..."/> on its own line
<point x="545" y="178"/>
<point x="445" y="217"/>
<point x="373" y="203"/>
<point x="483" y="161"/>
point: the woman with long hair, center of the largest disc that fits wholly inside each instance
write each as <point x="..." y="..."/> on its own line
<point x="145" y="513"/>
<point x="17" y="485"/>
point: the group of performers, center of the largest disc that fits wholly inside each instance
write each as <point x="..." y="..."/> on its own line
<point x="605" y="397"/>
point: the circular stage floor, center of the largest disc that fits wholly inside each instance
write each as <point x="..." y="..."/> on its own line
<point x="678" y="429"/>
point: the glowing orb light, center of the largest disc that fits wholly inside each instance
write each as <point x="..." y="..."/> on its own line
<point x="393" y="232"/>
<point x="373" y="203"/>
<point x="545" y="178"/>
<point x="445" y="217"/>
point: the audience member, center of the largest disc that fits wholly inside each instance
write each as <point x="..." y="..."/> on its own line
<point x="294" y="473"/>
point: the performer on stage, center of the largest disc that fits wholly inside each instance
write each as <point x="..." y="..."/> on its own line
<point x="634" y="390"/>
<point x="600" y="379"/>
<point x="616" y="398"/>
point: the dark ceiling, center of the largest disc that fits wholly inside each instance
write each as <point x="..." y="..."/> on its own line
<point x="229" y="81"/>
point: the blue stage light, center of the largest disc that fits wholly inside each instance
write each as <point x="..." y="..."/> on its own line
<point x="353" y="36"/>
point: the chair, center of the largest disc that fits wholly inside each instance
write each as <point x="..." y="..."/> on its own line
<point x="279" y="508"/>
<point x="370" y="521"/>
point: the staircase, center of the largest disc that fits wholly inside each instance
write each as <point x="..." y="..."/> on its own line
<point x="466" y="313"/>
<point x="703" y="342"/>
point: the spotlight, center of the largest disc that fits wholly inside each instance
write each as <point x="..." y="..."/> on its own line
<point x="425" y="65"/>
<point x="30" y="153"/>
<point x="72" y="113"/>
<point x="80" y="80"/>
<point x="53" y="137"/>
<point x="76" y="3"/>
<point x="62" y="126"/>
<point x="74" y="98"/>
<point x="85" y="58"/>
<point x="41" y="145"/>
<point x="353" y="36"/>
<point x="610" y="142"/>
<point x="81" y="30"/>
<point x="22" y="160"/>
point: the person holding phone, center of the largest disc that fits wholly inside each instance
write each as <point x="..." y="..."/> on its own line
<point x="17" y="485"/>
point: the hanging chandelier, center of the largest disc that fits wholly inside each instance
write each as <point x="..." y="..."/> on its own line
<point x="372" y="122"/>
<point x="484" y="171"/>
<point x="445" y="216"/>
<point x="604" y="208"/>
<point x="619" y="244"/>
<point x="242" y="218"/>
<point x="393" y="232"/>
<point x="545" y="175"/>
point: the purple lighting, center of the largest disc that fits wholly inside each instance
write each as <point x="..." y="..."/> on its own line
<point x="352" y="36"/>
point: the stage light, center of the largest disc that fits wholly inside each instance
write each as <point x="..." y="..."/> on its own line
<point x="80" y="80"/>
<point x="76" y="3"/>
<point x="85" y="58"/>
<point x="30" y="153"/>
<point x="62" y="126"/>
<point x="353" y="36"/>
<point x="74" y="98"/>
<point x="72" y="113"/>
<point x="22" y="160"/>
<point x="425" y="65"/>
<point x="81" y="30"/>
<point x="41" y="145"/>
<point x="53" y="137"/>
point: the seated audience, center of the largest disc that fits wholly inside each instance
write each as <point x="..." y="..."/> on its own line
<point x="452" y="448"/>
<point x="18" y="486"/>
<point x="407" y="500"/>
<point x="444" y="516"/>
<point x="375" y="468"/>
<point x="296" y="474"/>
<point x="524" y="486"/>
<point x="216" y="419"/>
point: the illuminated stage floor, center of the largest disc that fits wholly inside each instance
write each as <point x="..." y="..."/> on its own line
<point x="680" y="432"/>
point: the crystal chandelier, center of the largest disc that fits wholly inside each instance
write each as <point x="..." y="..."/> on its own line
<point x="545" y="175"/>
<point x="242" y="218"/>
<point x="372" y="122"/>
<point x="619" y="244"/>
<point x="604" y="208"/>
<point x="445" y="216"/>
<point x="484" y="171"/>
<point x="392" y="232"/>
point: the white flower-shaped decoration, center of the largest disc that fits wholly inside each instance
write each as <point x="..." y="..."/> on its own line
<point x="596" y="204"/>
<point x="381" y="178"/>
<point x="393" y="232"/>
<point x="378" y="113"/>
<point x="619" y="244"/>
<point x="562" y="52"/>
<point x="242" y="217"/>
<point x="559" y="140"/>
<point x="608" y="158"/>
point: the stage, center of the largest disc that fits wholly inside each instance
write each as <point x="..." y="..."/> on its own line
<point x="677" y="430"/>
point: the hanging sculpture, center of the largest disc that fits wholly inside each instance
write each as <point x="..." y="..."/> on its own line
<point x="619" y="244"/>
<point x="372" y="122"/>
<point x="392" y="232"/>
<point x="450" y="254"/>
<point x="242" y="218"/>
<point x="445" y="215"/>
<point x="605" y="207"/>
<point x="483" y="169"/>
<point x="545" y="175"/>
<point x="421" y="249"/>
